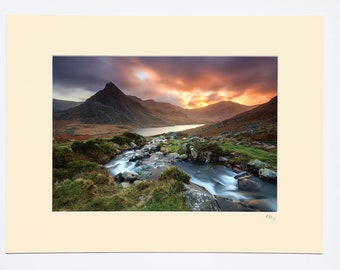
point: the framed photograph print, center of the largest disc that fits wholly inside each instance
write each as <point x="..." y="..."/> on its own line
<point x="164" y="134"/>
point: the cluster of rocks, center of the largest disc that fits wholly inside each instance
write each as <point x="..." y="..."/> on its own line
<point x="247" y="181"/>
<point x="127" y="177"/>
<point x="199" y="150"/>
<point x="260" y="169"/>
<point x="140" y="156"/>
<point x="142" y="170"/>
<point x="176" y="156"/>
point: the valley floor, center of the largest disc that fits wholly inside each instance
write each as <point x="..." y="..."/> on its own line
<point x="73" y="130"/>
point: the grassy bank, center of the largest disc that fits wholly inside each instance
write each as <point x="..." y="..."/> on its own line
<point x="86" y="195"/>
<point x="242" y="154"/>
<point x="81" y="184"/>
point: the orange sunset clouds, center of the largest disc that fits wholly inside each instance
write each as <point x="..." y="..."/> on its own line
<point x="188" y="82"/>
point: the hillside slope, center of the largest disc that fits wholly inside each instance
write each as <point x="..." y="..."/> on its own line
<point x="218" y="111"/>
<point x="260" y="120"/>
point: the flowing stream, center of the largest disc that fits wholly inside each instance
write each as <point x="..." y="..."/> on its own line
<point x="219" y="180"/>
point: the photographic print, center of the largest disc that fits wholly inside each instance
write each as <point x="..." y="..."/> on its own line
<point x="171" y="144"/>
<point x="165" y="133"/>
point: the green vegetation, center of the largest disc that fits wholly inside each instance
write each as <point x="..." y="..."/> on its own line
<point x="243" y="153"/>
<point x="69" y="195"/>
<point x="80" y="158"/>
<point x="86" y="195"/>
<point x="176" y="174"/>
<point x="239" y="153"/>
<point x="127" y="138"/>
<point x="73" y="168"/>
<point x="211" y="148"/>
<point x="97" y="150"/>
<point x="61" y="156"/>
<point x="80" y="184"/>
<point x="121" y="140"/>
<point x="266" y="135"/>
<point x="171" y="147"/>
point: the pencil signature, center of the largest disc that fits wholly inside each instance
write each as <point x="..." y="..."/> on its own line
<point x="270" y="217"/>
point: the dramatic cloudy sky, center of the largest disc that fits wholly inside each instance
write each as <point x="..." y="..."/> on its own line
<point x="185" y="81"/>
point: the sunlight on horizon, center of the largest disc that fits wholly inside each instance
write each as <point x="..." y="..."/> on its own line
<point x="186" y="100"/>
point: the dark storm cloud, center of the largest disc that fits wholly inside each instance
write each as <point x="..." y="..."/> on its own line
<point x="83" y="72"/>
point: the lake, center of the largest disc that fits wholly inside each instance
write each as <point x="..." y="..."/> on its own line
<point x="161" y="130"/>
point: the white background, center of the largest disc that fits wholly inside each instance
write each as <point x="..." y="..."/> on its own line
<point x="331" y="256"/>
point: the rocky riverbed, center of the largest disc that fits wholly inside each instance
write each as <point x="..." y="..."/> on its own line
<point x="214" y="187"/>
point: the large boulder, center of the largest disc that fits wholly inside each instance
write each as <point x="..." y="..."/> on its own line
<point x="130" y="177"/>
<point x="230" y="205"/>
<point x="255" y="165"/>
<point x="246" y="184"/>
<point x="126" y="177"/>
<point x="184" y="148"/>
<point x="183" y="157"/>
<point x="198" y="199"/>
<point x="268" y="175"/>
<point x="262" y="204"/>
<point x="173" y="156"/>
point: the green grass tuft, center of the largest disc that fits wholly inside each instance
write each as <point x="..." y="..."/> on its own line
<point x="176" y="174"/>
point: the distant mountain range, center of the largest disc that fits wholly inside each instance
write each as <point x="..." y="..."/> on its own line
<point x="62" y="105"/>
<point x="169" y="113"/>
<point x="218" y="111"/>
<point x="111" y="106"/>
<point x="260" y="120"/>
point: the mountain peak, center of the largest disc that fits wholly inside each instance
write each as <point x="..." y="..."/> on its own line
<point x="110" y="84"/>
<point x="110" y="88"/>
<point x="109" y="95"/>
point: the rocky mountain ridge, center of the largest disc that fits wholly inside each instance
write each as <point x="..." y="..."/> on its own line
<point x="111" y="106"/>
